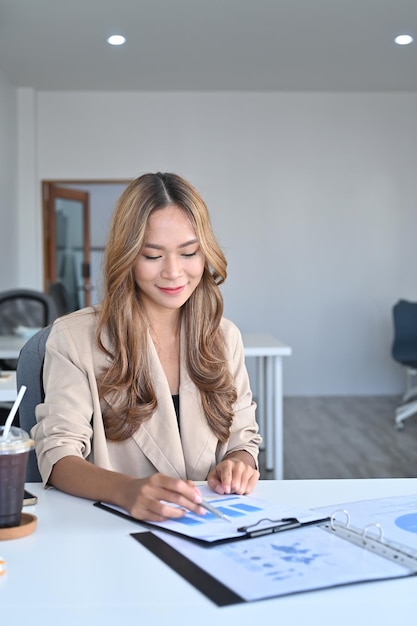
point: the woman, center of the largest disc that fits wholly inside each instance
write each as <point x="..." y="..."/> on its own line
<point x="148" y="392"/>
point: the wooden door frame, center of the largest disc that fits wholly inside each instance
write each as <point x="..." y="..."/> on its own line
<point x="52" y="193"/>
<point x="48" y="225"/>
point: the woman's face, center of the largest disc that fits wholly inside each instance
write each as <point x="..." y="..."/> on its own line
<point x="170" y="264"/>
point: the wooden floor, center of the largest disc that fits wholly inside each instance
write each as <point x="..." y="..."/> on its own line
<point x="351" y="437"/>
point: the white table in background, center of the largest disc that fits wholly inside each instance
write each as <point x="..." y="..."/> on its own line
<point x="269" y="352"/>
<point x="8" y="391"/>
<point x="11" y="345"/>
<point x="81" y="566"/>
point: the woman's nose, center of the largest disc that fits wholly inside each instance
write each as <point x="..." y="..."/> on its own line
<point x="172" y="267"/>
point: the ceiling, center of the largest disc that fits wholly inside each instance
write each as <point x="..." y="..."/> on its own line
<point x="202" y="45"/>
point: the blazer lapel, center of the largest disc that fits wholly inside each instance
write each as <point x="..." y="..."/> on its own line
<point x="159" y="437"/>
<point x="189" y="456"/>
<point x="199" y="443"/>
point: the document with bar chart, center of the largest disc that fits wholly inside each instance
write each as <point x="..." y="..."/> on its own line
<point x="244" y="516"/>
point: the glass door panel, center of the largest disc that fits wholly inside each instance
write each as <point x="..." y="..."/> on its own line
<point x="67" y="243"/>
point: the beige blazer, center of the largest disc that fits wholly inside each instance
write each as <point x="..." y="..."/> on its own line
<point x="70" y="422"/>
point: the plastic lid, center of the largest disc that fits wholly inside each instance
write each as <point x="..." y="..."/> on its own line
<point x="17" y="441"/>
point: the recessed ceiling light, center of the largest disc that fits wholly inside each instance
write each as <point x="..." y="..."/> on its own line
<point x="116" y="40"/>
<point x="403" y="40"/>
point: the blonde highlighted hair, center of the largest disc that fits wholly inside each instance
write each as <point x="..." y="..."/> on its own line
<point x="126" y="388"/>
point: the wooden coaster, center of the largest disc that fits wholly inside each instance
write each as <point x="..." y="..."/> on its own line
<point x="27" y="526"/>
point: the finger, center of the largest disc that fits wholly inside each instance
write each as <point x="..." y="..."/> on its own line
<point x="174" y="490"/>
<point x="180" y="492"/>
<point x="151" y="509"/>
<point x="226" y="474"/>
<point x="252" y="481"/>
<point x="155" y="511"/>
<point x="214" y="482"/>
<point x="153" y="498"/>
<point x="244" y="478"/>
<point x="184" y="494"/>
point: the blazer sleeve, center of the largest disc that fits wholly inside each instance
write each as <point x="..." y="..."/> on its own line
<point x="64" y="418"/>
<point x="244" y="433"/>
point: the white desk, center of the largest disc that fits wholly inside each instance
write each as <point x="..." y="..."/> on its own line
<point x="8" y="391"/>
<point x="11" y="345"/>
<point x="82" y="567"/>
<point x="269" y="352"/>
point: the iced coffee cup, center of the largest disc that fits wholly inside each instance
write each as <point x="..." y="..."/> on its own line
<point x="14" y="452"/>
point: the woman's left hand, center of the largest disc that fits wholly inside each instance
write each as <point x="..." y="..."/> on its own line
<point x="235" y="474"/>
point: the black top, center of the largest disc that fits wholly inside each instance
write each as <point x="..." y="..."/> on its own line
<point x="176" y="401"/>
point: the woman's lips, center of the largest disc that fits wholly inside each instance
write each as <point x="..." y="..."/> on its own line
<point x="172" y="291"/>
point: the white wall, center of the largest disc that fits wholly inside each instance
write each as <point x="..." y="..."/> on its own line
<point x="8" y="184"/>
<point x="312" y="196"/>
<point x="30" y="235"/>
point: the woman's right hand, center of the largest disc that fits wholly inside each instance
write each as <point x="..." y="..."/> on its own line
<point x="151" y="499"/>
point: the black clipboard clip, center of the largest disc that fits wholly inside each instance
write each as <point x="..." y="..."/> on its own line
<point x="277" y="526"/>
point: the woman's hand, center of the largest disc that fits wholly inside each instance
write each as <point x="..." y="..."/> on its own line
<point x="149" y="498"/>
<point x="146" y="498"/>
<point x="235" y="474"/>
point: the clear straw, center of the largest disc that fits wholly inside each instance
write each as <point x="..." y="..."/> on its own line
<point x="13" y="412"/>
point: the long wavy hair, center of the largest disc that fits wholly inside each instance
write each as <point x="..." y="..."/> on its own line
<point x="125" y="388"/>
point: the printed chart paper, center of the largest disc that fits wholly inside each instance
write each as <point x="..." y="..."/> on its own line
<point x="241" y="511"/>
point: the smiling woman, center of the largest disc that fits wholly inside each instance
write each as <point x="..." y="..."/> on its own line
<point x="156" y="392"/>
<point x="171" y="264"/>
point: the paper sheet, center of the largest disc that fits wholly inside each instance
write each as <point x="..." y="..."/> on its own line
<point x="275" y="565"/>
<point x="242" y="511"/>
<point x="298" y="560"/>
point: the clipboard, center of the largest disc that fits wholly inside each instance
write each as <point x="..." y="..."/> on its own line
<point x="312" y="557"/>
<point x="262" y="527"/>
<point x="247" y="517"/>
<point x="223" y="575"/>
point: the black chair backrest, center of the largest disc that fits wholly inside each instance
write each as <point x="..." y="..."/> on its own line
<point x="29" y="373"/>
<point x="404" y="347"/>
<point x="25" y="307"/>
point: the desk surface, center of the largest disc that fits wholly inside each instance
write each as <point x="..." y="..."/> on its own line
<point x="8" y="391"/>
<point x="81" y="566"/>
<point x="256" y="344"/>
<point x="11" y="345"/>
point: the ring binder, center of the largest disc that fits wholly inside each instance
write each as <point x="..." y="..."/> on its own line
<point x="318" y="554"/>
<point x="361" y="537"/>
<point x="333" y="517"/>
<point x="381" y="532"/>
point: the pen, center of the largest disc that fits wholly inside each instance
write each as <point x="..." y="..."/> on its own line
<point x="209" y="507"/>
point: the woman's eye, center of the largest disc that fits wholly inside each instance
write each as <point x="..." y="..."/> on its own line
<point x="148" y="257"/>
<point x="190" y="254"/>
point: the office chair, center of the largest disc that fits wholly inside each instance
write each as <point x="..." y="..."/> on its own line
<point x="29" y="373"/>
<point x="404" y="351"/>
<point x="24" y="309"/>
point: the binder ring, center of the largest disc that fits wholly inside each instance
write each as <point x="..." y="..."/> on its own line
<point x="333" y="518"/>
<point x="378" y="526"/>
